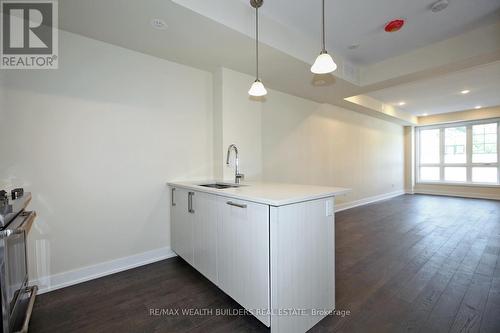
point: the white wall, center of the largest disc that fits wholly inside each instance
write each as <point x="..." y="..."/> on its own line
<point x="310" y="143"/>
<point x="96" y="141"/>
<point x="239" y="120"/>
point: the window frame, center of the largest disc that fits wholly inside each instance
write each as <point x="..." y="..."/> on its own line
<point x="468" y="147"/>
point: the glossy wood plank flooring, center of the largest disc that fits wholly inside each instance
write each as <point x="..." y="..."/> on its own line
<point x="410" y="264"/>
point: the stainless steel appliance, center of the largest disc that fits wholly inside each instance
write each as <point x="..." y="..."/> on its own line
<point x="16" y="297"/>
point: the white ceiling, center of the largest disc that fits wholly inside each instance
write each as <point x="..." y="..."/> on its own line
<point x="442" y="94"/>
<point x="362" y="22"/>
<point x="195" y="38"/>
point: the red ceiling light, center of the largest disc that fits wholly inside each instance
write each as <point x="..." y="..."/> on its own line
<point x="394" y="25"/>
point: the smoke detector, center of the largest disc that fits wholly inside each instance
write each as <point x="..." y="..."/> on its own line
<point x="159" y="24"/>
<point x="439" y="5"/>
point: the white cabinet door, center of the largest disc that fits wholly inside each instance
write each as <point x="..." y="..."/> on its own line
<point x="243" y="254"/>
<point x="181" y="222"/>
<point x="205" y="216"/>
<point x="302" y="263"/>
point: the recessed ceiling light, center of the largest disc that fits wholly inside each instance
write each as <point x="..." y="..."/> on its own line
<point x="425" y="114"/>
<point x="477" y="107"/>
<point x="463" y="92"/>
<point x="159" y="24"/>
<point x="401" y="103"/>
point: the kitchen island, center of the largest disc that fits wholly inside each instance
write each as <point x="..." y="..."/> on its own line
<point x="269" y="246"/>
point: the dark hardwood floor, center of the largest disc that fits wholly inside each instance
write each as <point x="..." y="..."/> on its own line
<point x="413" y="263"/>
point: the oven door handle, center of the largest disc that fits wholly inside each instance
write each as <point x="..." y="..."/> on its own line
<point x="29" y="217"/>
<point x="33" y="291"/>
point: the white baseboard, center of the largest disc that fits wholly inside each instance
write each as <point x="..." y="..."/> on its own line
<point x="365" y="201"/>
<point x="69" y="278"/>
<point x="459" y="194"/>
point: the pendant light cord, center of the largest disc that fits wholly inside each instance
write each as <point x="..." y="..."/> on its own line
<point x="323" y="26"/>
<point x="257" y="42"/>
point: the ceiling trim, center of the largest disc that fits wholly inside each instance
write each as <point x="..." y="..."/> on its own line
<point x="374" y="106"/>
<point x="450" y="117"/>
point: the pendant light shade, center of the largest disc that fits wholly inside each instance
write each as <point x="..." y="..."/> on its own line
<point x="324" y="63"/>
<point x="257" y="89"/>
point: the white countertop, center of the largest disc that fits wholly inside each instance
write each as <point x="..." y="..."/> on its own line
<point x="274" y="194"/>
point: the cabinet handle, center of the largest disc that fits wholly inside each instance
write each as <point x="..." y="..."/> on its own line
<point x="230" y="203"/>
<point x="172" y="196"/>
<point x="190" y="202"/>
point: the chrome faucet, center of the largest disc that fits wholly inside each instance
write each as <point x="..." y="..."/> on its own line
<point x="237" y="175"/>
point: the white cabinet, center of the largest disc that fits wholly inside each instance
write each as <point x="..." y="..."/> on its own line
<point x="181" y="224"/>
<point x="302" y="263"/>
<point x="194" y="217"/>
<point x="269" y="259"/>
<point x="205" y="215"/>
<point x="243" y="254"/>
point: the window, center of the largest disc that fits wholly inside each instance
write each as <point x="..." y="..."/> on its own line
<point x="454" y="144"/>
<point x="484" y="143"/>
<point x="464" y="153"/>
<point x="430" y="146"/>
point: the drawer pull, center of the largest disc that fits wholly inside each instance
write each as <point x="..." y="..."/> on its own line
<point x="230" y="203"/>
<point x="190" y="202"/>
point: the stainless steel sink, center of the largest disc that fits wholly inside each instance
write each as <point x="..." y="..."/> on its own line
<point x="219" y="185"/>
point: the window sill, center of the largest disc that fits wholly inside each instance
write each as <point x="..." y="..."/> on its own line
<point x="458" y="184"/>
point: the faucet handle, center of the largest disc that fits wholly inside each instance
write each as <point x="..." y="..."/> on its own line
<point x="239" y="176"/>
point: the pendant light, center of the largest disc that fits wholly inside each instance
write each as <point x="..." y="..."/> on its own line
<point x="257" y="89"/>
<point x="324" y="63"/>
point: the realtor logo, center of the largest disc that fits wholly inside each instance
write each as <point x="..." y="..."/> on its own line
<point x="29" y="36"/>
